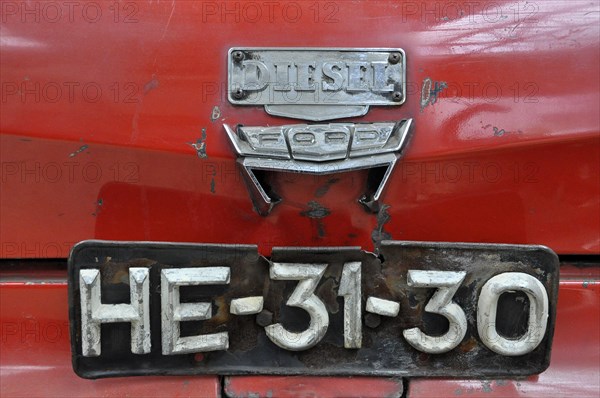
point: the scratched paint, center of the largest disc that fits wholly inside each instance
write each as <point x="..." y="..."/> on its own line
<point x="500" y="132"/>
<point x="78" y="151"/>
<point x="215" y="114"/>
<point x="323" y="189"/>
<point x="151" y="85"/>
<point x="379" y="233"/>
<point x="430" y="91"/>
<point x="200" y="145"/>
<point x="317" y="212"/>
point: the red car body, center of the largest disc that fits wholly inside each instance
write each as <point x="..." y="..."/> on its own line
<point x="104" y="105"/>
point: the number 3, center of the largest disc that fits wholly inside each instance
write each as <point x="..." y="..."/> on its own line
<point x="303" y="297"/>
<point x="441" y="303"/>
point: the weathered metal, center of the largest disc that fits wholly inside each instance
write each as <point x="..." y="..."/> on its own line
<point x="322" y="337"/>
<point x="290" y="82"/>
<point x="493" y="160"/>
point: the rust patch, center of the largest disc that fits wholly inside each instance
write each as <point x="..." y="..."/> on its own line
<point x="430" y="91"/>
<point x="323" y="189"/>
<point x="118" y="272"/>
<point x="379" y="233"/>
<point x="317" y="212"/>
<point x="222" y="315"/>
<point x="468" y="345"/>
<point x="200" y="146"/>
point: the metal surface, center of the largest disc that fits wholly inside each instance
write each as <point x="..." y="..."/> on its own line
<point x="317" y="337"/>
<point x="344" y="82"/>
<point x="492" y="159"/>
<point x="318" y="149"/>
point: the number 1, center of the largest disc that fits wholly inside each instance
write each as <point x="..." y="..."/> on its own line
<point x="350" y="290"/>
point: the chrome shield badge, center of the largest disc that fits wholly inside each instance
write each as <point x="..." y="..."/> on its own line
<point x="318" y="149"/>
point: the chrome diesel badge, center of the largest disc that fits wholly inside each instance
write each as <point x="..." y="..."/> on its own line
<point x="316" y="84"/>
<point x="318" y="149"/>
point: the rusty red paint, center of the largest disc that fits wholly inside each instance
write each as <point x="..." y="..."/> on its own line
<point x="325" y="387"/>
<point x="161" y="78"/>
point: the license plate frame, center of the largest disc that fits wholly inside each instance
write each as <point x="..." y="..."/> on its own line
<point x="384" y="352"/>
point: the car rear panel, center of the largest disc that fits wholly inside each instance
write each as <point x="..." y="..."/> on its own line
<point x="112" y="128"/>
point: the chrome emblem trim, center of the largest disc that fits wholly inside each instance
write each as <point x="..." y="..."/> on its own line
<point x="318" y="149"/>
<point x="316" y="84"/>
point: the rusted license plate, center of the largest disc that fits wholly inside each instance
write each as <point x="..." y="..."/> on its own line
<point x="416" y="309"/>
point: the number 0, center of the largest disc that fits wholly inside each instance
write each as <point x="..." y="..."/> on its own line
<point x="488" y="305"/>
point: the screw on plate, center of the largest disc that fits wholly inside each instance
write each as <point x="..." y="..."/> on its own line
<point x="238" y="56"/>
<point x="396" y="96"/>
<point x="264" y="318"/>
<point x="238" y="93"/>
<point x="394" y="58"/>
<point x="372" y="320"/>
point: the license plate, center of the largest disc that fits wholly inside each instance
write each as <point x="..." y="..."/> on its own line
<point x="316" y="76"/>
<point x="416" y="309"/>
